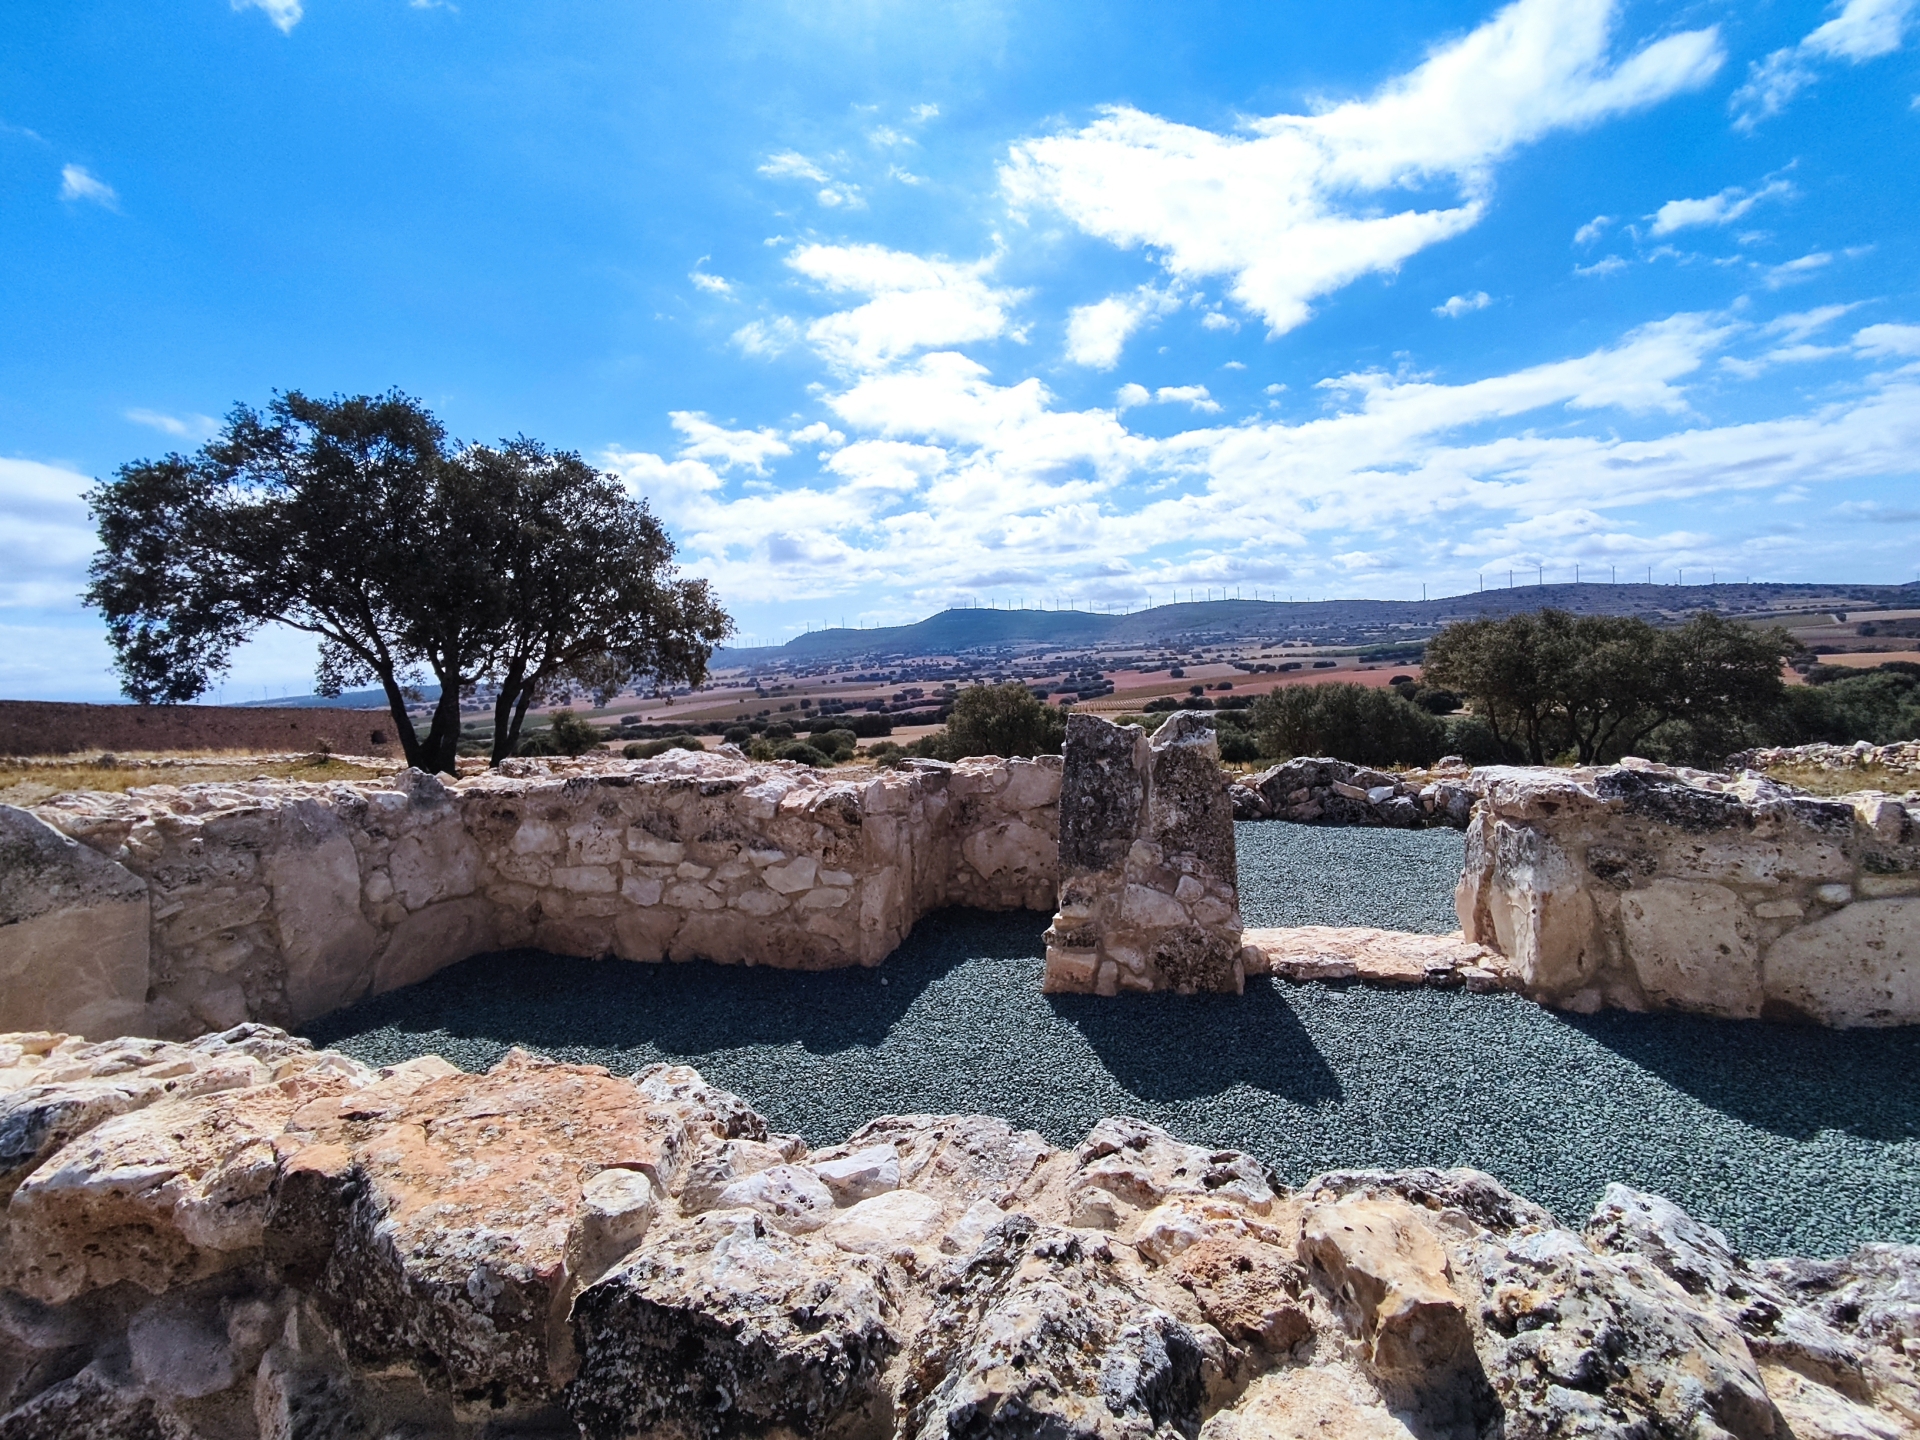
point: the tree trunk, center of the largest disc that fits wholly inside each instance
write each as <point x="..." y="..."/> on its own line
<point x="509" y="708"/>
<point x="402" y="722"/>
<point x="441" y="751"/>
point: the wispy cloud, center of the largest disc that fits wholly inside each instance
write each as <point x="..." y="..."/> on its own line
<point x="1459" y="305"/>
<point x="188" y="427"/>
<point x="1862" y="30"/>
<point x="1592" y="230"/>
<point x="1608" y="265"/>
<point x="1722" y="209"/>
<point x="285" y="14"/>
<point x="792" y="165"/>
<point x="1794" y="271"/>
<point x="79" y="183"/>
<point x="1302" y="205"/>
<point x="712" y="284"/>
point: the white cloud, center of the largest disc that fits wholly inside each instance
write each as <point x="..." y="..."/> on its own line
<point x="1302" y="204"/>
<point x="913" y="303"/>
<point x="1459" y="305"/>
<point x="1610" y="265"/>
<point x="46" y="536"/>
<point x="285" y="14"/>
<point x="1794" y="271"/>
<point x="792" y="165"/>
<point x="747" y="449"/>
<point x="1194" y="395"/>
<point x="1097" y="333"/>
<point x="925" y="112"/>
<point x="818" y="433"/>
<point x="887" y="138"/>
<point x="1802" y="323"/>
<point x="712" y="284"/>
<point x="79" y="183"/>
<point x="1592" y="230"/>
<point x="1888" y="341"/>
<point x="192" y="427"/>
<point x="764" y="339"/>
<point x="1130" y="394"/>
<point x="1214" y="320"/>
<point x="1722" y="209"/>
<point x="1862" y="30"/>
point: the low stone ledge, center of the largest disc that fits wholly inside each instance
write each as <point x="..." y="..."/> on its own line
<point x="1321" y="791"/>
<point x="1394" y="958"/>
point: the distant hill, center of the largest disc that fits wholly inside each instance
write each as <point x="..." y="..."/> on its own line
<point x="345" y="700"/>
<point x="1322" y="622"/>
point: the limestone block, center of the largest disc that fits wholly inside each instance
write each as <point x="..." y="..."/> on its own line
<point x="884" y="1224"/>
<point x="1857" y="966"/>
<point x="436" y="861"/>
<point x="1692" y="947"/>
<point x="74" y="933"/>
<point x="1102" y="793"/>
<point x="432" y="939"/>
<point x="327" y="944"/>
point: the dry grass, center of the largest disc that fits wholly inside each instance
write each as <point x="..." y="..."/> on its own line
<point x="29" y="782"/>
<point x="1816" y="781"/>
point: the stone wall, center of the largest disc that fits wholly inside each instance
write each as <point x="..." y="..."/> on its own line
<point x="246" y="1239"/>
<point x="1642" y="887"/>
<point x="58" y="727"/>
<point x="1149" y="894"/>
<point x="1319" y="791"/>
<point x="168" y="911"/>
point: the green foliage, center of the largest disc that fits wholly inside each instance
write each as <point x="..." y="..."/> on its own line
<point x="864" y="727"/>
<point x="737" y="735"/>
<point x="837" y="743"/>
<point x="1347" y="722"/>
<point x="1880" y="705"/>
<point x="1001" y="720"/>
<point x="647" y="749"/>
<point x="1606" y="686"/>
<point x="806" y="754"/>
<point x="572" y="734"/>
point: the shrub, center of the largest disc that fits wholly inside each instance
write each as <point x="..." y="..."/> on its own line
<point x="1001" y="720"/>
<point x="837" y="743"/>
<point x="806" y="754"/>
<point x="1176" y="673"/>
<point x="739" y="735"/>
<point x="779" y="730"/>
<point x="1347" y="722"/>
<point x="571" y="734"/>
<point x="647" y="749"/>
<point x="865" y="727"/>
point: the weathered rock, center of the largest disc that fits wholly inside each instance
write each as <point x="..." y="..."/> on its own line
<point x="730" y="1326"/>
<point x="1649" y="888"/>
<point x="1126" y="1166"/>
<point x="1321" y="791"/>
<point x="1156" y="907"/>
<point x="1376" y="957"/>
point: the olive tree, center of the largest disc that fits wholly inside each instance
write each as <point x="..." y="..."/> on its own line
<point x="355" y="521"/>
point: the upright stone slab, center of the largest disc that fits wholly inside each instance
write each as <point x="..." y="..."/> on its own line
<point x="1148" y="894"/>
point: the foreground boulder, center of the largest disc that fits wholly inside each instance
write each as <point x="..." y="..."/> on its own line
<point x="289" y="1244"/>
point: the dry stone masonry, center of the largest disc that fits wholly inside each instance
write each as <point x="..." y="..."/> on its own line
<point x="1149" y="897"/>
<point x="240" y="1238"/>
<point x="1334" y="792"/>
<point x="171" y="910"/>
<point x="1642" y="887"/>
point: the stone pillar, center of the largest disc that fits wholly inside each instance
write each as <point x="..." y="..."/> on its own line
<point x="1149" y="898"/>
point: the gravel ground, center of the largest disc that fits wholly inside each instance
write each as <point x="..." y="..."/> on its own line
<point x="1792" y="1140"/>
<point x="1305" y="875"/>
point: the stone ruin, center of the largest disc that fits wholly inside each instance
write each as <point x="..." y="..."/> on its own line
<point x="243" y="1238"/>
<point x="237" y="1237"/>
<point x="1149" y="897"/>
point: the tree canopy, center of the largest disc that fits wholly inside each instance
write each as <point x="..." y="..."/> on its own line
<point x="1004" y="719"/>
<point x="1347" y="722"/>
<point x="355" y="520"/>
<point x="1602" y="686"/>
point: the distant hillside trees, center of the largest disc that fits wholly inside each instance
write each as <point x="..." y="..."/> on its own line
<point x="1600" y="687"/>
<point x="1347" y="722"/>
<point x="356" y="521"/>
<point x="1002" y="720"/>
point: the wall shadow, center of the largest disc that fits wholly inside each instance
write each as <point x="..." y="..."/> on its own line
<point x="553" y="1003"/>
<point x="1792" y="1080"/>
<point x="1165" y="1047"/>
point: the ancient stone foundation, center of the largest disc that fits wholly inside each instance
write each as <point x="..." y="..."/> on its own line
<point x="1149" y="896"/>
<point x="168" y="911"/>
<point x="244" y="1239"/>
<point x="1642" y="887"/>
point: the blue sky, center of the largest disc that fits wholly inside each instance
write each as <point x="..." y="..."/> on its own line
<point x="886" y="305"/>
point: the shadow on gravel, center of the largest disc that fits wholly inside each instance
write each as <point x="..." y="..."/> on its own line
<point x="556" y="1004"/>
<point x="1148" y="1044"/>
<point x="1793" y="1080"/>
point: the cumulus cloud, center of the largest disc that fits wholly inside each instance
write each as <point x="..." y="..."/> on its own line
<point x="950" y="474"/>
<point x="1860" y="31"/>
<point x="1459" y="305"/>
<point x="1097" y="333"/>
<point x="747" y="449"/>
<point x="1722" y="209"/>
<point x="285" y="14"/>
<point x="712" y="284"/>
<point x="1592" y="230"/>
<point x="912" y="303"/>
<point x="79" y="183"/>
<point x="1194" y="395"/>
<point x="1301" y="205"/>
<point x="46" y="536"/>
